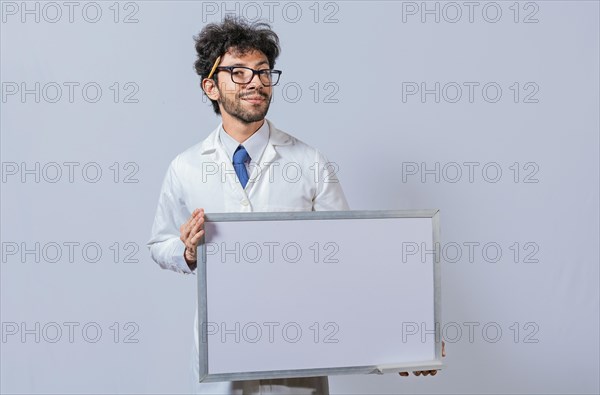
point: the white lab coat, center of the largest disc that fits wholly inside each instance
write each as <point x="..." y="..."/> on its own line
<point x="290" y="176"/>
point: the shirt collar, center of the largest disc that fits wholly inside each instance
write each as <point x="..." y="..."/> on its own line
<point x="276" y="137"/>
<point x="255" y="145"/>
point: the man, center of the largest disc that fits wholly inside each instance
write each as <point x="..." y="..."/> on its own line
<point x="239" y="167"/>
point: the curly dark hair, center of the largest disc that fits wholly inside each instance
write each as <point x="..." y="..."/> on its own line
<point x="235" y="34"/>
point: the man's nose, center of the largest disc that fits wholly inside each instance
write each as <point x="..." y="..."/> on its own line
<point x="255" y="82"/>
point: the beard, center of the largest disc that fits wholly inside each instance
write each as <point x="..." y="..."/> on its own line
<point x="235" y="107"/>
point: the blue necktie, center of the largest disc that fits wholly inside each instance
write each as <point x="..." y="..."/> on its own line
<point x="240" y="157"/>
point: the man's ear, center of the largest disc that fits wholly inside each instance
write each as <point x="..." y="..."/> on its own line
<point x="210" y="88"/>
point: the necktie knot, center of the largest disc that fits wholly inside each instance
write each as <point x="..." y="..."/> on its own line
<point x="240" y="158"/>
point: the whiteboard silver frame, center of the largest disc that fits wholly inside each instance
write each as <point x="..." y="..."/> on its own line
<point x="437" y="363"/>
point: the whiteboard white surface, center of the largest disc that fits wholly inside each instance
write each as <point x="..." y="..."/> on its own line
<point x="316" y="293"/>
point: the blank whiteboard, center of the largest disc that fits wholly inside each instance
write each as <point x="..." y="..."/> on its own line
<point x="300" y="294"/>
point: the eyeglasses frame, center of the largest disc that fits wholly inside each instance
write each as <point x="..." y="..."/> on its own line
<point x="216" y="67"/>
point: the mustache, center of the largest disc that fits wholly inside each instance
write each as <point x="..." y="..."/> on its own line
<point x="262" y="94"/>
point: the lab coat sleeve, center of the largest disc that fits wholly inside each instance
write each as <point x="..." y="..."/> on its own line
<point x="329" y="195"/>
<point x="166" y="248"/>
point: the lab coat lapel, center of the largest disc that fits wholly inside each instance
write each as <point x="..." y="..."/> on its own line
<point x="229" y="175"/>
<point x="262" y="173"/>
<point x="261" y="170"/>
<point x="225" y="165"/>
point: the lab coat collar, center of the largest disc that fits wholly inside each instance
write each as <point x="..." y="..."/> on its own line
<point x="276" y="137"/>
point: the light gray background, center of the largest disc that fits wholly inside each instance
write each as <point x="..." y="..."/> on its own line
<point x="370" y="133"/>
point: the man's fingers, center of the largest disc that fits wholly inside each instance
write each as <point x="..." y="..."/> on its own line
<point x="198" y="224"/>
<point x="196" y="215"/>
<point x="197" y="228"/>
<point x="192" y="225"/>
<point x="184" y="233"/>
<point x="420" y="372"/>
<point x="195" y="240"/>
<point x="191" y="232"/>
<point x="443" y="348"/>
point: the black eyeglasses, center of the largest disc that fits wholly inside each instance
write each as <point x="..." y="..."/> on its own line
<point x="243" y="75"/>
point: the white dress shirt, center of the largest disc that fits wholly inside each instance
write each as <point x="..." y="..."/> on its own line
<point x="288" y="175"/>
<point x="255" y="146"/>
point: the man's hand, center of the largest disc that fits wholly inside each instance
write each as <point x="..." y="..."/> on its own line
<point x="191" y="233"/>
<point x="426" y="372"/>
